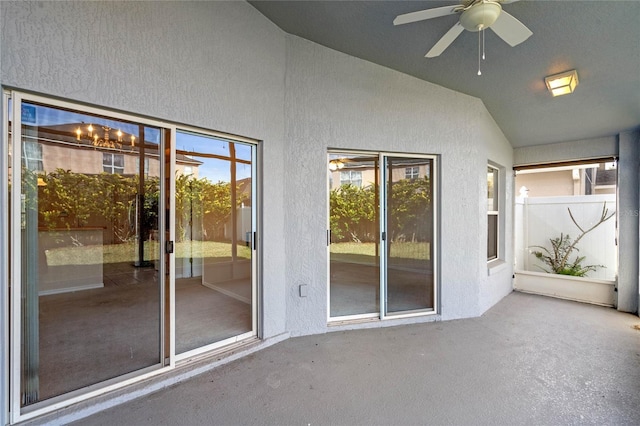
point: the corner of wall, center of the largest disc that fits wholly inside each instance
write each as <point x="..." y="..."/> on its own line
<point x="628" y="221"/>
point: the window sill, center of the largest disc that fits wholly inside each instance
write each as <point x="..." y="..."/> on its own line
<point x="495" y="266"/>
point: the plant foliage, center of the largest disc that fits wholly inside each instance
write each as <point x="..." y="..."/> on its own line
<point x="558" y="257"/>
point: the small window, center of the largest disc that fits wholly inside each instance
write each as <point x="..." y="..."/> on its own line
<point x="32" y="156"/>
<point x="492" y="212"/>
<point x="113" y="163"/>
<point x="351" y="177"/>
<point x="412" y="173"/>
<point x="146" y="166"/>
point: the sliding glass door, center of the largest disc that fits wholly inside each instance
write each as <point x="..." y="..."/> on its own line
<point x="381" y="237"/>
<point x="86" y="212"/>
<point x="354" y="249"/>
<point x="214" y="216"/>
<point x="132" y="248"/>
<point x="409" y="225"/>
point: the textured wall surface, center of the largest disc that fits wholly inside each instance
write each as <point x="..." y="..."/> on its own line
<point x="628" y="226"/>
<point x="566" y="151"/>
<point x="222" y="66"/>
<point x="337" y="101"/>
<point x="498" y="273"/>
<point x="218" y="65"/>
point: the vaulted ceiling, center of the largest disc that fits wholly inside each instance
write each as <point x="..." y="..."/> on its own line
<point x="600" y="39"/>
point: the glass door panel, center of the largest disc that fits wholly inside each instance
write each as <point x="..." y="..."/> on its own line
<point x="409" y="234"/>
<point x="88" y="223"/>
<point x="214" y="227"/>
<point x="354" y="235"/>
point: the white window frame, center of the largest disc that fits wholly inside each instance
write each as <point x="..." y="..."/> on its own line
<point x="382" y="315"/>
<point x="112" y="168"/>
<point x="412" y="172"/>
<point x="29" y="160"/>
<point x="495" y="212"/>
<point x="351" y="180"/>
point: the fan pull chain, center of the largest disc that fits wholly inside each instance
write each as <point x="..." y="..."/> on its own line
<point x="483" y="44"/>
<point x="479" y="36"/>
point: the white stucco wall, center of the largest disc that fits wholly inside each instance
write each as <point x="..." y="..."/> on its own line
<point x="566" y="151"/>
<point x="498" y="273"/>
<point x="337" y="101"/>
<point x="628" y="225"/>
<point x="218" y="65"/>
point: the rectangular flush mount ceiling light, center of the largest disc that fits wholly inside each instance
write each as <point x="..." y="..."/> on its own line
<point x="563" y="83"/>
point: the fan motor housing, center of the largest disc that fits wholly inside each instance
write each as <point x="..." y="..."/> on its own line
<point x="480" y="16"/>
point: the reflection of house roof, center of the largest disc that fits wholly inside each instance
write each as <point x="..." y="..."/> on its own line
<point x="369" y="162"/>
<point x="244" y="187"/>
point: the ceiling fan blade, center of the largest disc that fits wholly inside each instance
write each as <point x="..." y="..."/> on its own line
<point x="510" y="29"/>
<point x="421" y="15"/>
<point x="445" y="41"/>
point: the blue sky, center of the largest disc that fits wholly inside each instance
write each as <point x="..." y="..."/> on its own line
<point x="213" y="169"/>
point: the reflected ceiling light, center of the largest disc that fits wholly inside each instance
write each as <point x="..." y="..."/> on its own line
<point x="105" y="141"/>
<point x="563" y="83"/>
<point x="335" y="165"/>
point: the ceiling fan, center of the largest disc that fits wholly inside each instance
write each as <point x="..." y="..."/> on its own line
<point x="475" y="15"/>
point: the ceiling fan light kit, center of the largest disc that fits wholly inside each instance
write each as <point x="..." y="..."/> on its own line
<point x="480" y="16"/>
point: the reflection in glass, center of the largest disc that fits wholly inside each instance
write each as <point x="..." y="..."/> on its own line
<point x="409" y="222"/>
<point x="214" y="290"/>
<point x="354" y="249"/>
<point x="90" y="296"/>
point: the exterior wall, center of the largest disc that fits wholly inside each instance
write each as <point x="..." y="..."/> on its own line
<point x="223" y="66"/>
<point x="628" y="227"/>
<point x="496" y="277"/>
<point x="218" y="65"/>
<point x="566" y="151"/>
<point x="337" y="101"/>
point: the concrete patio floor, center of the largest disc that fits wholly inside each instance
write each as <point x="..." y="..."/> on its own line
<point x="528" y="360"/>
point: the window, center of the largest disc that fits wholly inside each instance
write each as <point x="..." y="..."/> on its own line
<point x="146" y="166"/>
<point x="492" y="212"/>
<point x="412" y="173"/>
<point x="32" y="156"/>
<point x="351" y="177"/>
<point x="113" y="163"/>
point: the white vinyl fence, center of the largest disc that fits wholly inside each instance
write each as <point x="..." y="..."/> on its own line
<point x="541" y="218"/>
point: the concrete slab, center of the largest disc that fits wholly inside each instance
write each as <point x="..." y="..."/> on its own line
<point x="528" y="360"/>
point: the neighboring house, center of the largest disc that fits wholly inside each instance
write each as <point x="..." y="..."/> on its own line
<point x="587" y="179"/>
<point x="56" y="147"/>
<point x="361" y="171"/>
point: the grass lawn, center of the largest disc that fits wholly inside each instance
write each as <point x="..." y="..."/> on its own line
<point x="127" y="252"/>
<point x="366" y="252"/>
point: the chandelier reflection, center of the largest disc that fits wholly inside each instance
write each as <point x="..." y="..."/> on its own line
<point x="105" y="141"/>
